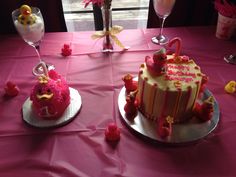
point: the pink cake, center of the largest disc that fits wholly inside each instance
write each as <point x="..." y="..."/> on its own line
<point x="50" y="96"/>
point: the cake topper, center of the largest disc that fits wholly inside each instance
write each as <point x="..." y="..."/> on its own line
<point x="157" y="65"/>
<point x="131" y="106"/>
<point x="205" y="110"/>
<point x="177" y="57"/>
<point x="178" y="43"/>
<point x="130" y="84"/>
<point x="164" y="126"/>
<point x="41" y="69"/>
<point x="204" y="81"/>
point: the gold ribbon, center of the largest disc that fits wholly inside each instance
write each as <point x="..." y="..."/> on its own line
<point x="112" y="32"/>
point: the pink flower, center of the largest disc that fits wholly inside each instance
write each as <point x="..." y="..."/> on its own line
<point x="98" y="2"/>
<point x="226" y="8"/>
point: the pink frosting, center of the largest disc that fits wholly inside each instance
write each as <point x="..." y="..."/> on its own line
<point x="50" y="96"/>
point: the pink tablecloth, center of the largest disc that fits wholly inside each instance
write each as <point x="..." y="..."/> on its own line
<point x="78" y="148"/>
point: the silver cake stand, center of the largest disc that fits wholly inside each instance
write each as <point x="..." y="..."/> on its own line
<point x="181" y="133"/>
<point x="70" y="112"/>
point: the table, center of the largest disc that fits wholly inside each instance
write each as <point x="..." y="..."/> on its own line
<point x="79" y="148"/>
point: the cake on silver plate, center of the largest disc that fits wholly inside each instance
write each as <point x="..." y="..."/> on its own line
<point x="168" y="88"/>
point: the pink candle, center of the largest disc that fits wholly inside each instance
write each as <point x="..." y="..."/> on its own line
<point x="178" y="42"/>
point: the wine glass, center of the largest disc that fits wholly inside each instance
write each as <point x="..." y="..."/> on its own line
<point x="30" y="25"/>
<point x="163" y="9"/>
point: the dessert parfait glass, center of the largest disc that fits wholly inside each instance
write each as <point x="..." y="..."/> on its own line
<point x="30" y="25"/>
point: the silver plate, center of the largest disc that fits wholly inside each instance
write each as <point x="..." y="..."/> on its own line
<point x="182" y="133"/>
<point x="70" y="112"/>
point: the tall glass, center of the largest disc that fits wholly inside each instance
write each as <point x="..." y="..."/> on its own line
<point x="31" y="29"/>
<point x="163" y="9"/>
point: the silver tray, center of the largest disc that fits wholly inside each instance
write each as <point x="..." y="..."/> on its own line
<point x="70" y="112"/>
<point x="182" y="133"/>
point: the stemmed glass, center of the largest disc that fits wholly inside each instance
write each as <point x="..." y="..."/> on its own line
<point x="30" y="25"/>
<point x="163" y="9"/>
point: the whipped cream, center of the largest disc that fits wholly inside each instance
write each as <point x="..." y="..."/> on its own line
<point x="32" y="34"/>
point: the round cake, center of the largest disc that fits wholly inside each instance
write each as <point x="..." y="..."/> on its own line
<point x="169" y="91"/>
<point x="168" y="85"/>
<point x="50" y="96"/>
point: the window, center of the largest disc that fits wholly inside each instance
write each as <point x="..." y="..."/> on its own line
<point x="130" y="14"/>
